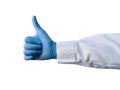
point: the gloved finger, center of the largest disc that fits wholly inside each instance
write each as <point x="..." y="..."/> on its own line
<point x="39" y="31"/>
<point x="32" y="52"/>
<point x="32" y="46"/>
<point x="30" y="57"/>
<point x="32" y="40"/>
<point x="35" y="23"/>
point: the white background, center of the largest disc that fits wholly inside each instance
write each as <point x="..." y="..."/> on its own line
<point x="63" y="20"/>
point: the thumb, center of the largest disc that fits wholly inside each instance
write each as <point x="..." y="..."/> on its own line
<point x="39" y="31"/>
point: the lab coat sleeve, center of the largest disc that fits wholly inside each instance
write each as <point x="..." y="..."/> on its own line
<point x="99" y="51"/>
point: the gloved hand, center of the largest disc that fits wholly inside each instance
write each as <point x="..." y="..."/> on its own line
<point x="40" y="46"/>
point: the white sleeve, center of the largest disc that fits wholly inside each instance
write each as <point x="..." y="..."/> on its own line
<point x="100" y="51"/>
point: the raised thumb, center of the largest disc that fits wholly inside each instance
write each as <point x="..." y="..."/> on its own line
<point x="39" y="31"/>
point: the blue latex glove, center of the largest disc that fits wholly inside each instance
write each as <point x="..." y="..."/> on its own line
<point x="40" y="46"/>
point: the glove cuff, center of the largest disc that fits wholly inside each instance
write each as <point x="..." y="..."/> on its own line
<point x="54" y="51"/>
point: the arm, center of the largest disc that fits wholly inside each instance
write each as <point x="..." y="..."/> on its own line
<point x="100" y="51"/>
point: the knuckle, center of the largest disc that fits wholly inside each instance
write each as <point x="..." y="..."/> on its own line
<point x="28" y="39"/>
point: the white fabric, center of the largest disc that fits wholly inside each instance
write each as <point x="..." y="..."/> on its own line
<point x="100" y="51"/>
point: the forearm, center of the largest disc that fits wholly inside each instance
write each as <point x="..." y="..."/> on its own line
<point x="99" y="51"/>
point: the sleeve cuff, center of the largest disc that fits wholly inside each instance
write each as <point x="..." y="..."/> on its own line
<point x="66" y="52"/>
